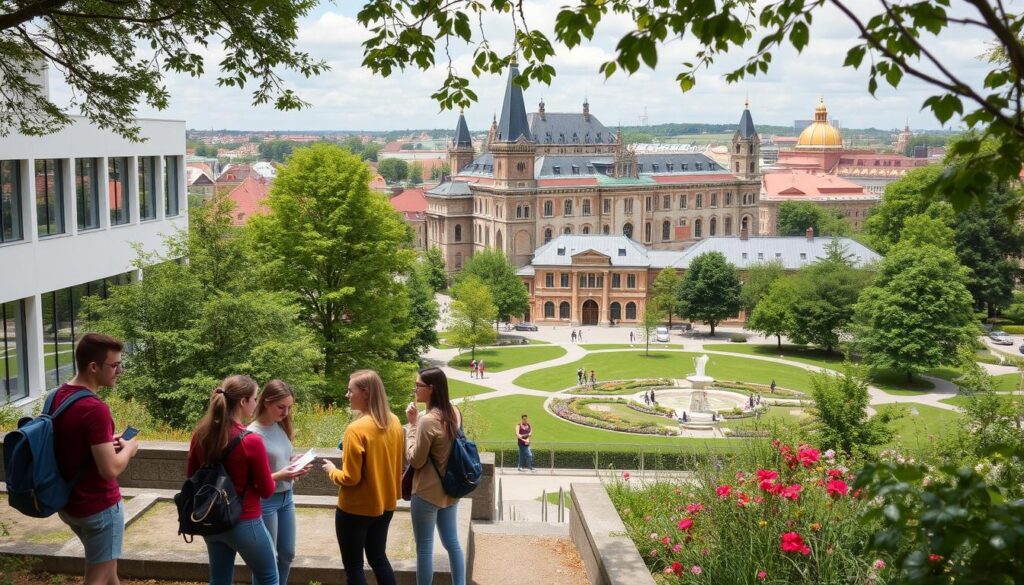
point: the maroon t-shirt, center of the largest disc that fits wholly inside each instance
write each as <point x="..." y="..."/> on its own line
<point x="248" y="467"/>
<point x="84" y="424"/>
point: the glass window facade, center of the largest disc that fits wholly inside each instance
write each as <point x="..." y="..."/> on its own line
<point x="147" y="187"/>
<point x="172" y="198"/>
<point x="10" y="202"/>
<point x="49" y="197"/>
<point x="87" y="192"/>
<point x="117" y="185"/>
<point x="13" y="356"/>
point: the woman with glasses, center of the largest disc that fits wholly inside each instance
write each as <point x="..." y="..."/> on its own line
<point x="369" y="481"/>
<point x="431" y="436"/>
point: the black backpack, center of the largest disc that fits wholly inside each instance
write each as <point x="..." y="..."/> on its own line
<point x="208" y="503"/>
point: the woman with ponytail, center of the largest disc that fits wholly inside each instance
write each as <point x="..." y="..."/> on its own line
<point x="369" y="481"/>
<point x="246" y="463"/>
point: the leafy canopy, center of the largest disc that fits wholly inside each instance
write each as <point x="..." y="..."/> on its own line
<point x="472" y="312"/>
<point x="499" y="275"/>
<point x="710" y="290"/>
<point x="796" y="216"/>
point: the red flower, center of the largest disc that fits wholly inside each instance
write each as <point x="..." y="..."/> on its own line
<point x="625" y="475"/>
<point x="808" y="456"/>
<point x="837" y="487"/>
<point x="835" y="473"/>
<point x="766" y="474"/>
<point x="665" y="540"/>
<point x="723" y="490"/>
<point x="742" y="499"/>
<point x="761" y="575"/>
<point x="685" y="524"/>
<point x="677" y="568"/>
<point x="934" y="558"/>
<point x="694" y="508"/>
<point x="792" y="492"/>
<point x="792" y="542"/>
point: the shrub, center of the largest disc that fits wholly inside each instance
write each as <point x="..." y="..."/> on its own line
<point x="652" y="409"/>
<point x="622" y="386"/>
<point x="738" y="338"/>
<point x="762" y="389"/>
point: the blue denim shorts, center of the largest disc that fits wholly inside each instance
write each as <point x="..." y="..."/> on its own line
<point x="101" y="534"/>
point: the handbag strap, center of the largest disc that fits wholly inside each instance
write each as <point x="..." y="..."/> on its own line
<point x="227" y="451"/>
<point x="458" y="435"/>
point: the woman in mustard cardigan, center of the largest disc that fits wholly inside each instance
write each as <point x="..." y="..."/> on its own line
<point x="369" y="481"/>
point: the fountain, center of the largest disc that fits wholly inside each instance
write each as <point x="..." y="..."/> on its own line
<point x="700" y="382"/>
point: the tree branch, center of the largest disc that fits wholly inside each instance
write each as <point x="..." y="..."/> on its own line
<point x="13" y="19"/>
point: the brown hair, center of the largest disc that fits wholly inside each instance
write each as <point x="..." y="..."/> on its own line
<point x="214" y="430"/>
<point x="273" y="391"/>
<point x="377" y="402"/>
<point x="93" y="348"/>
<point x="438" y="382"/>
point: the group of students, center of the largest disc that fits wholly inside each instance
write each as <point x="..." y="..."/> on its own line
<point x="476" y="368"/>
<point x="259" y="460"/>
<point x="581" y="377"/>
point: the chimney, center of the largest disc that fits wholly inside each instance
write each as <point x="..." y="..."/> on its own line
<point x="744" y="234"/>
<point x="586" y="110"/>
<point x="810" y="234"/>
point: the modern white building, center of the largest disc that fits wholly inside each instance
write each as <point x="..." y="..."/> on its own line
<point x="72" y="206"/>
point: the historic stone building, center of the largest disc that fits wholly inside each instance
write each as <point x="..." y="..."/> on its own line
<point x="543" y="174"/>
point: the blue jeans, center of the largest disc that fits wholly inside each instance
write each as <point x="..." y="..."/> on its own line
<point x="424" y="517"/>
<point x="101" y="533"/>
<point x="525" y="456"/>
<point x="279" y="518"/>
<point x="250" y="539"/>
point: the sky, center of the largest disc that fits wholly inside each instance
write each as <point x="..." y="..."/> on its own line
<point x="350" y="97"/>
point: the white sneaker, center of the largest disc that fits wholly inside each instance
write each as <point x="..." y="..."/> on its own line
<point x="532" y="470"/>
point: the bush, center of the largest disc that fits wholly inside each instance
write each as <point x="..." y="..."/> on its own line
<point x="762" y="389"/>
<point x="622" y="387"/>
<point x="653" y="409"/>
<point x="738" y="338"/>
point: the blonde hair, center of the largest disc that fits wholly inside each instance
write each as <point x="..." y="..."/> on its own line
<point x="214" y="430"/>
<point x="274" y="391"/>
<point x="377" y="401"/>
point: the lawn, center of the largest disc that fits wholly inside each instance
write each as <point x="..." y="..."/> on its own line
<point x="505" y="358"/>
<point x="962" y="400"/>
<point x="917" y="431"/>
<point x="629" y="415"/>
<point x="460" y="389"/>
<point x="797" y="353"/>
<point x="626" y="365"/>
<point x="895" y="383"/>
<point x="1000" y="383"/>
<point x="776" y="415"/>
<point x="635" y="346"/>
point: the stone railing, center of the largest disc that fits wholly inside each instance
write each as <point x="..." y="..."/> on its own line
<point x="597" y="531"/>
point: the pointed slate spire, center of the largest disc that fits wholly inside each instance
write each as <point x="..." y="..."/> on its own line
<point x="513" y="123"/>
<point x="746" y="129"/>
<point x="462" y="137"/>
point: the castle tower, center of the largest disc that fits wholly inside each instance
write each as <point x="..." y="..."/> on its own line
<point x="460" y="150"/>
<point x="513" y="148"/>
<point x="745" y="154"/>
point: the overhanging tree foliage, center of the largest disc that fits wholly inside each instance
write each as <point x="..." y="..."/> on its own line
<point x="114" y="55"/>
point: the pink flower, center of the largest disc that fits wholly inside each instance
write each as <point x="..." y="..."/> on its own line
<point x="685" y="524"/>
<point x="665" y="540"/>
<point x="677" y="568"/>
<point x="654" y="536"/>
<point x="696" y="570"/>
<point x="766" y="474"/>
<point x="723" y="491"/>
<point x="837" y="487"/>
<point x="654" y="552"/>
<point x="830" y="454"/>
<point x="835" y="473"/>
<point x="647" y="518"/>
<point x="625" y="475"/>
<point x="792" y="492"/>
<point x="761" y="575"/>
<point x="677" y="547"/>
<point x="792" y="542"/>
<point x="742" y="499"/>
<point x="694" y="508"/>
<point x="740" y="477"/>
<point x="879" y="564"/>
<point x="808" y="456"/>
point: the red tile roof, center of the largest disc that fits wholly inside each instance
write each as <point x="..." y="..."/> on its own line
<point x="810" y="185"/>
<point x="249" y="197"/>
<point x="410" y="201"/>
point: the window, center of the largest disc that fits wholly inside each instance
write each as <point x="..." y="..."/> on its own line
<point x="586" y="207"/>
<point x="728" y="198"/>
<point x="567" y="206"/>
<point x="803" y="255"/>
<point x="627" y="230"/>
<point x="606" y="230"/>
<point x="714" y="200"/>
<point x="713" y="227"/>
<point x="696" y="228"/>
<point x="519" y="212"/>
<point x="117" y="180"/>
<point x="567" y="230"/>
<point x="549" y="310"/>
<point x="616" y="281"/>
<point x="49" y="197"/>
<point x="458" y="233"/>
<point x="147" y="187"/>
<point x="684" y="166"/>
<point x="607" y="205"/>
<point x="666" y="201"/>
<point x="698" y="166"/>
<point x="12" y="342"/>
<point x="728" y="226"/>
<point x="172" y="197"/>
<point x="87" y="193"/>
<point x="521" y="167"/>
<point x="647" y="231"/>
<point x="549" y="280"/>
<point x="647" y="203"/>
<point x="699" y="203"/>
<point x="627" y="206"/>
<point x="586" y="229"/>
<point x="549" y="208"/>
<point x="563" y="310"/>
<point x="547" y="235"/>
<point x="575" y="170"/>
<point x="565" y="280"/>
<point x="670" y="167"/>
<point x="616" y="312"/>
<point x="526" y="211"/>
<point x="682" y="200"/>
<point x="654" y="168"/>
<point x="666" y="228"/>
<point x="760" y="255"/>
<point x="630" y="281"/>
<point x="631" y="311"/>
<point x="744" y="255"/>
<point x="558" y="171"/>
<point x="10" y="202"/>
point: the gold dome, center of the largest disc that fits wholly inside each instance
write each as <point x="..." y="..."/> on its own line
<point x="820" y="134"/>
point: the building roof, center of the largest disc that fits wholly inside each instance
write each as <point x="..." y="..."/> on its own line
<point x="794" y="252"/>
<point x="820" y="134"/>
<point x="810" y="187"/>
<point x="378" y="183"/>
<point x="249" y="196"/>
<point x="462" y="138"/>
<point x="409" y="201"/>
<point x="620" y="250"/>
<point x="569" y="128"/>
<point x="660" y="167"/>
<point x="746" y="128"/>
<point x="451" y="189"/>
<point x="513" y="123"/>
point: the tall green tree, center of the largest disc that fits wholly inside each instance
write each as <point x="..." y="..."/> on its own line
<point x="416" y="173"/>
<point x="796" y="216"/>
<point x="917" y="313"/>
<point x="924" y="230"/>
<point x="472" y="313"/>
<point x="649" y="322"/>
<point x="495" y="271"/>
<point x="773" y="314"/>
<point x="760" y="277"/>
<point x="903" y="199"/>
<point x="825" y="294"/>
<point x="394" y="170"/>
<point x="710" y="290"/>
<point x="437" y="275"/>
<point x="664" y="293"/>
<point x="370" y="151"/>
<point x="342" y="250"/>
<point x="840" y="407"/>
<point x="990" y="244"/>
<point x="423" y="313"/>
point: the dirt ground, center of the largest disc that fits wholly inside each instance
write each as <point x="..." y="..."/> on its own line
<point x="500" y="561"/>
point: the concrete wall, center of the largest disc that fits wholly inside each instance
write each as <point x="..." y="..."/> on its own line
<point x="608" y="555"/>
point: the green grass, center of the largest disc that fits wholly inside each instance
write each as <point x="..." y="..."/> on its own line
<point x="796" y="353"/>
<point x="442" y="344"/>
<point x="895" y="383"/>
<point x="628" y="365"/>
<point x="916" y="431"/>
<point x="629" y="415"/>
<point x="961" y="401"/>
<point x="553" y="500"/>
<point x="506" y="358"/>
<point x="460" y="389"/>
<point x="1006" y="382"/>
<point x="779" y="415"/>
<point x="635" y="346"/>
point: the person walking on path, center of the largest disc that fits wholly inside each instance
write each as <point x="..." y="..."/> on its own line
<point x="220" y="431"/>
<point x="632" y="337"/>
<point x="472" y="369"/>
<point x="572" y="336"/>
<point x="523" y="433"/>
<point x="274" y="425"/>
<point x="431" y="437"/>
<point x="593" y="379"/>
<point x="773" y="385"/>
<point x="579" y="376"/>
<point x="84" y="443"/>
<point x="369" y="481"/>
<point x="647" y="398"/>
<point x="579" y="336"/>
<point x="653" y="401"/>
<point x="480" y="369"/>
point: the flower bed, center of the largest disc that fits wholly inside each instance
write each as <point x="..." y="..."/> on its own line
<point x="765" y="390"/>
<point x="780" y="515"/>
<point x="621" y="386"/>
<point x="654" y="410"/>
<point x="571" y="410"/>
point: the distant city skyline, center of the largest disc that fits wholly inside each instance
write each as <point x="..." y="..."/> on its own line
<point x="350" y="97"/>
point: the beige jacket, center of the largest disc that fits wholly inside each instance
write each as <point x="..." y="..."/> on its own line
<point x="427" y="441"/>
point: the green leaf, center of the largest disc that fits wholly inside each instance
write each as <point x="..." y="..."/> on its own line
<point x="799" y="35"/>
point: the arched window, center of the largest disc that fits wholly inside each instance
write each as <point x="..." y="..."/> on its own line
<point x="631" y="311"/>
<point x="519" y="211"/>
<point x="713" y="227"/>
<point x="737" y="149"/>
<point x="697" y="232"/>
<point x="586" y="229"/>
<point x="547" y="235"/>
<point x="627" y="230"/>
<point x="568" y="207"/>
<point x="616" y="312"/>
<point x="526" y="211"/>
<point x="487" y="236"/>
<point x="745" y="224"/>
<point x="714" y="200"/>
<point x="728" y="226"/>
<point x="458" y="233"/>
<point x="549" y="310"/>
<point x="563" y="310"/>
<point x="666" y="228"/>
<point x="567" y="229"/>
<point x="549" y="209"/>
<point x="606" y="230"/>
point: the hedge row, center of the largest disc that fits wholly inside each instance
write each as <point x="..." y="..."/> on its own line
<point x="578" y="459"/>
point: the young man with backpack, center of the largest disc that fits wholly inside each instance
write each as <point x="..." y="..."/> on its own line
<point x="87" y="447"/>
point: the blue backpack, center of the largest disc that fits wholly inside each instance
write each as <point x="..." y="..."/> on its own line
<point x="464" y="470"/>
<point x="35" y="486"/>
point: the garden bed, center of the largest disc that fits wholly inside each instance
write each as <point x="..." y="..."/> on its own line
<point x="613" y="387"/>
<point x="575" y="410"/>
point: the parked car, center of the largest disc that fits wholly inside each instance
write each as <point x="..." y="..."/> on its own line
<point x="661" y="334"/>
<point x="1000" y="338"/>
<point x="524" y="326"/>
<point x="1021" y="348"/>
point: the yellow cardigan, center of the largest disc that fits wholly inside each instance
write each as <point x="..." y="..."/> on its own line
<point x="370" y="479"/>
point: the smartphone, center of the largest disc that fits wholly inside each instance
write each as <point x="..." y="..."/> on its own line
<point x="129" y="434"/>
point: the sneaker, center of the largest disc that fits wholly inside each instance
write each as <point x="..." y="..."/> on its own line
<point x="532" y="470"/>
<point x="519" y="469"/>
